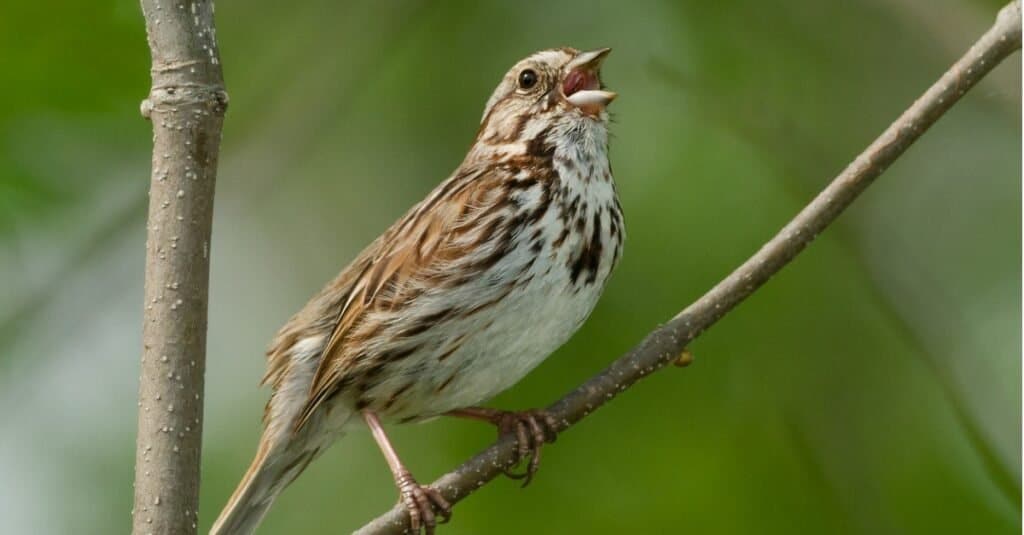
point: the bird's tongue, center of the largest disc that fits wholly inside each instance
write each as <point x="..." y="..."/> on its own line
<point x="577" y="81"/>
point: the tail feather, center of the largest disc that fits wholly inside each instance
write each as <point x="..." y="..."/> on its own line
<point x="268" y="475"/>
<point x="284" y="451"/>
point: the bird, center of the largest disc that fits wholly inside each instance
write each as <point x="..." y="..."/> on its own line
<point x="460" y="298"/>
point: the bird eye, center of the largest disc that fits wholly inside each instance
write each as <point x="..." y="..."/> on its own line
<point x="527" y="79"/>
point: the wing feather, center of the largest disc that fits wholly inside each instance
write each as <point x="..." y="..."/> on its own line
<point x="416" y="244"/>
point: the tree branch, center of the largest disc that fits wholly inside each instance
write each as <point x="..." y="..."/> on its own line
<point x="665" y="344"/>
<point x="186" y="105"/>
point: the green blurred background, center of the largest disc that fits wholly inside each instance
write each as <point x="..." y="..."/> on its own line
<point x="872" y="387"/>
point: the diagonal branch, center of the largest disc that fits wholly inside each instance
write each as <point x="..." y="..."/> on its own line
<point x="664" y="345"/>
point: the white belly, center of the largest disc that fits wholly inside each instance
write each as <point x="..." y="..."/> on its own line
<point x="503" y="342"/>
<point x="522" y="332"/>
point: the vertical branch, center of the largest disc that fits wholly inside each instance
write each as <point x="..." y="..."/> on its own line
<point x="186" y="105"/>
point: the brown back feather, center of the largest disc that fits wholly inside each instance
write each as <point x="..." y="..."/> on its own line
<point x="411" y="247"/>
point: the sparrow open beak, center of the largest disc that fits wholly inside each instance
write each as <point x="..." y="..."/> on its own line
<point x="582" y="85"/>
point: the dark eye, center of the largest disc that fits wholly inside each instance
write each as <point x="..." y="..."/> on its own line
<point x="527" y="79"/>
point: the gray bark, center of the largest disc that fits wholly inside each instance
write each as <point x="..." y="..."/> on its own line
<point x="186" y="105"/>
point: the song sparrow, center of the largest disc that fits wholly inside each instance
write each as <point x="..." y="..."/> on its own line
<point x="459" y="299"/>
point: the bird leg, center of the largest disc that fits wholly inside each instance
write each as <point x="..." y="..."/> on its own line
<point x="532" y="429"/>
<point x="419" y="500"/>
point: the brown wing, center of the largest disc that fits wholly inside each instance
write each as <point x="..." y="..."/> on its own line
<point x="415" y="244"/>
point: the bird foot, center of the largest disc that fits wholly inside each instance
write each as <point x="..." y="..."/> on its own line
<point x="531" y="428"/>
<point x="420" y="501"/>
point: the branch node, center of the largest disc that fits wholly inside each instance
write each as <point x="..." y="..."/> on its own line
<point x="164" y="98"/>
<point x="684" y="359"/>
<point x="146" y="108"/>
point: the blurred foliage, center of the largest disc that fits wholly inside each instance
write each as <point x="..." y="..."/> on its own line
<point x="872" y="387"/>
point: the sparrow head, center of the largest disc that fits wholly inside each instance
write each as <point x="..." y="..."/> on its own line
<point x="557" y="86"/>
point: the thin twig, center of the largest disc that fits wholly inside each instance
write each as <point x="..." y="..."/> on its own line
<point x="186" y="105"/>
<point x="664" y="345"/>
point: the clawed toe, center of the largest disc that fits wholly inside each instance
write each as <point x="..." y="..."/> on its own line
<point x="439" y="503"/>
<point x="532" y="430"/>
<point x="421" y="502"/>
